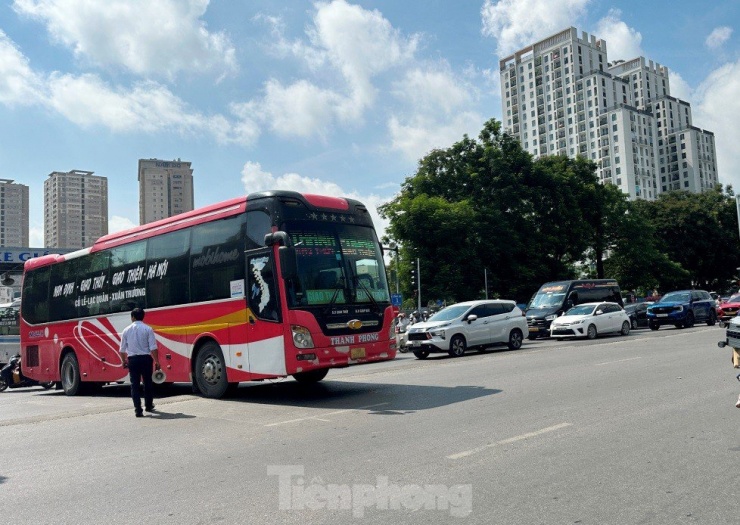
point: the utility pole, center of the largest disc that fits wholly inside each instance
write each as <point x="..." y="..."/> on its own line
<point x="418" y="282"/>
<point x="485" y="280"/>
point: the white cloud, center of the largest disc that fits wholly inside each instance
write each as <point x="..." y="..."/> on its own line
<point x="718" y="36"/>
<point x="148" y="107"/>
<point x="679" y="87"/>
<point x="518" y="23"/>
<point x="19" y="85"/>
<point x="36" y="236"/>
<point x="622" y="42"/>
<point x="717" y="109"/>
<point x="434" y="90"/>
<point x="161" y="38"/>
<point x="300" y="109"/>
<point x="437" y="111"/>
<point x="117" y="224"/>
<point x="255" y="178"/>
<point x="419" y="135"/>
<point x="344" y="41"/>
<point x="86" y="100"/>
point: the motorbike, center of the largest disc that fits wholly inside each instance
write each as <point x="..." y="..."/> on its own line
<point x="11" y="376"/>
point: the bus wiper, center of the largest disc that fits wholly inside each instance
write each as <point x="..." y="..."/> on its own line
<point x="367" y="291"/>
<point x="337" y="286"/>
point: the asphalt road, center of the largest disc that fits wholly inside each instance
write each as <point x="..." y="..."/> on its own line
<point x="621" y="430"/>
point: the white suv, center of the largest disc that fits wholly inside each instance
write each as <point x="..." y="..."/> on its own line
<point x="466" y="325"/>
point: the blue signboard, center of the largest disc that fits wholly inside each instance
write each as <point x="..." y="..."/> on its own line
<point x="396" y="299"/>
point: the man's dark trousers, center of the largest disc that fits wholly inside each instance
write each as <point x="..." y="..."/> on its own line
<point x="140" y="368"/>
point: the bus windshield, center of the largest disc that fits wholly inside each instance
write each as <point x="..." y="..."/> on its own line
<point x="546" y="300"/>
<point x="337" y="264"/>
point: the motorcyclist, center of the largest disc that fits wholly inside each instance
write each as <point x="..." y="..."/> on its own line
<point x="13" y="368"/>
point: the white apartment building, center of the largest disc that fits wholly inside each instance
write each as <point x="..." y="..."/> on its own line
<point x="75" y="209"/>
<point x="560" y="96"/>
<point x="165" y="189"/>
<point x="13" y="213"/>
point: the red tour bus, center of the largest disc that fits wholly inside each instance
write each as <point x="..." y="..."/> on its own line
<point x="274" y="284"/>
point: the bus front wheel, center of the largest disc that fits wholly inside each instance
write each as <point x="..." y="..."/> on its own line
<point x="210" y="371"/>
<point x="71" y="379"/>
<point x="311" y="376"/>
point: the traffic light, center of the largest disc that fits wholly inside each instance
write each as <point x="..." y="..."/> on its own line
<point x="413" y="278"/>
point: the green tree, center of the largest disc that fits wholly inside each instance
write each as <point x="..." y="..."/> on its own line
<point x="699" y="232"/>
<point x="483" y="206"/>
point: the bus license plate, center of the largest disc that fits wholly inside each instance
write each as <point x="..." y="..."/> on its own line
<point x="357" y="353"/>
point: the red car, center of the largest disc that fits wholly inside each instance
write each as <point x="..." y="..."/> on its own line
<point x="729" y="309"/>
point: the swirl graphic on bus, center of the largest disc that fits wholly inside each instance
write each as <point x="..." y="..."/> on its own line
<point x="105" y="340"/>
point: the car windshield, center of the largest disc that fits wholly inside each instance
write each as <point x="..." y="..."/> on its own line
<point x="449" y="313"/>
<point x="546" y="300"/>
<point x="584" y="309"/>
<point x="676" y="297"/>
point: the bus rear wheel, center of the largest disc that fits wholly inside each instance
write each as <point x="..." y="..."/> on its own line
<point x="71" y="378"/>
<point x="311" y="376"/>
<point x="210" y="371"/>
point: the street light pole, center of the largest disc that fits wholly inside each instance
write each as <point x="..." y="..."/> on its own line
<point x="394" y="247"/>
<point x="418" y="282"/>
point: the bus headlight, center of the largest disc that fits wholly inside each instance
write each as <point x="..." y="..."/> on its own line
<point x="301" y="337"/>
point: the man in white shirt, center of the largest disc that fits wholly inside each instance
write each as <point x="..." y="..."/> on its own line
<point x="139" y="353"/>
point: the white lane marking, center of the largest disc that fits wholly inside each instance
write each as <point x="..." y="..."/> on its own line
<point x="319" y="416"/>
<point x="619" y="361"/>
<point x="514" y="439"/>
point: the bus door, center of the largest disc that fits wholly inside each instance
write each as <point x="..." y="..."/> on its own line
<point x="265" y="330"/>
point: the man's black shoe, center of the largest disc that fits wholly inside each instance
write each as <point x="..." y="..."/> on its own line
<point x="139" y="413"/>
<point x="150" y="409"/>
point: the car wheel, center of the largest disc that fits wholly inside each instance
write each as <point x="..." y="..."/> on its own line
<point x="626" y="328"/>
<point x="591" y="332"/>
<point x="712" y="319"/>
<point x="515" y="339"/>
<point x="457" y="346"/>
<point x="633" y="323"/>
<point x="421" y="354"/>
<point x="653" y="325"/>
<point x="689" y="322"/>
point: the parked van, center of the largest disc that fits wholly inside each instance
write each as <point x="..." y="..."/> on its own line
<point x="555" y="298"/>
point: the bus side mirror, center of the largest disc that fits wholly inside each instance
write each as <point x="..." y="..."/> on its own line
<point x="288" y="264"/>
<point x="280" y="238"/>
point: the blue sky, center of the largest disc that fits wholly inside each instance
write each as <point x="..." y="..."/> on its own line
<point x="338" y="97"/>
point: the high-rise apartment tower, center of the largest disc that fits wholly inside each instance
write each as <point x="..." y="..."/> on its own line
<point x="560" y="96"/>
<point x="75" y="209"/>
<point x="165" y="189"/>
<point x="13" y="214"/>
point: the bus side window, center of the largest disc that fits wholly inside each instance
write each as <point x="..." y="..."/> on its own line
<point x="216" y="259"/>
<point x="35" y="305"/>
<point x="167" y="262"/>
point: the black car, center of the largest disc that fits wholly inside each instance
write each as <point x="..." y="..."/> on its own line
<point x="637" y="313"/>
